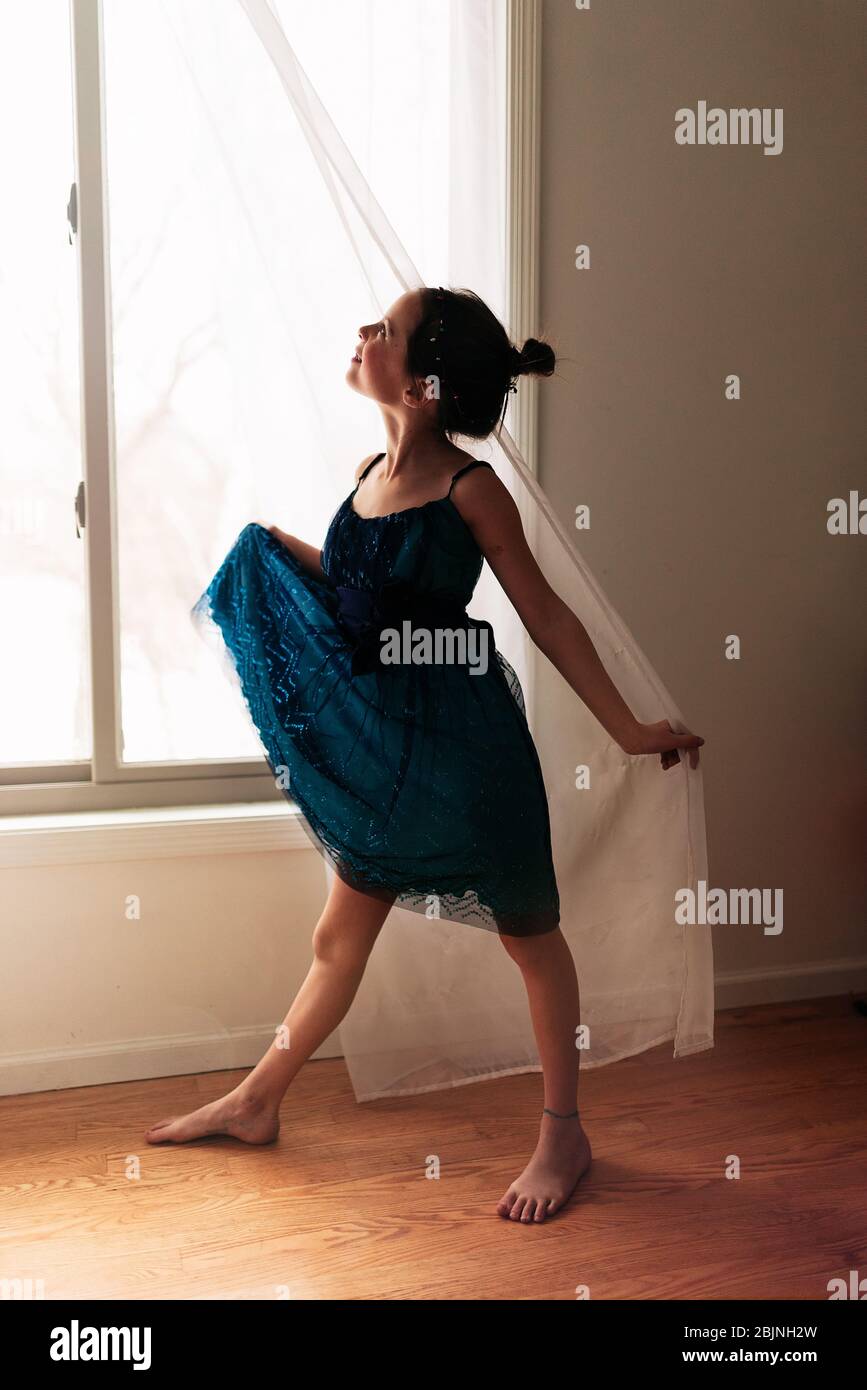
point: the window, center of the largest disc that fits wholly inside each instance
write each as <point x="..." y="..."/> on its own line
<point x="169" y="285"/>
<point x="45" y="692"/>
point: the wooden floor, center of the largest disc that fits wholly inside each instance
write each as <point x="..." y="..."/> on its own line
<point x="340" y="1206"/>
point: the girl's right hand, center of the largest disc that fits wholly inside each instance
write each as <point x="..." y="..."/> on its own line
<point x="660" y="738"/>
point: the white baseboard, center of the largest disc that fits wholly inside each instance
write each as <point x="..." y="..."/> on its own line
<point x="193" y="1053"/>
<point x="140" y="1059"/>
<point x="737" y="989"/>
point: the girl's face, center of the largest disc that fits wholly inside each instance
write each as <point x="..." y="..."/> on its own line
<point x="379" y="368"/>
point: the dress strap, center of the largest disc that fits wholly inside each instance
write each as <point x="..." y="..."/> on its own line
<point x="474" y="463"/>
<point x="368" y="468"/>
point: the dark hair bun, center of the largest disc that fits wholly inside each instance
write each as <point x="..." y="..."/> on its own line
<point x="534" y="359"/>
<point x="462" y="345"/>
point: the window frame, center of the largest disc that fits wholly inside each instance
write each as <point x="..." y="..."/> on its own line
<point x="105" y="782"/>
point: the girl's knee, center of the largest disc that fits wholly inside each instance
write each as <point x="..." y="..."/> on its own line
<point x="327" y="936"/>
<point x="527" y="950"/>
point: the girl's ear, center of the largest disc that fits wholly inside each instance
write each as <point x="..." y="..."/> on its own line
<point x="419" y="391"/>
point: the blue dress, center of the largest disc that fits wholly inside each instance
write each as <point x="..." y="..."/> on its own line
<point x="411" y="763"/>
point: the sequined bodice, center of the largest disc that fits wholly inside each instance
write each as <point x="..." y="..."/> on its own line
<point x="430" y="547"/>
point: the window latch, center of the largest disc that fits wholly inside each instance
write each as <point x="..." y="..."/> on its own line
<point x="72" y="211"/>
<point x="79" y="509"/>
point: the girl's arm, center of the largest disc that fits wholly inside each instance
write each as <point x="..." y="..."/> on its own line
<point x="308" y="555"/>
<point x="491" y="514"/>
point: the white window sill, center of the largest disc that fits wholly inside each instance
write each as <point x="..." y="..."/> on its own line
<point x="157" y="832"/>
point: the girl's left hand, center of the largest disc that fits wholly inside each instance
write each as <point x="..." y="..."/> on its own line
<point x="660" y="738"/>
<point x="272" y="530"/>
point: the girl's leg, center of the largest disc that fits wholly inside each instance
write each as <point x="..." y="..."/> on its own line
<point x="562" y="1154"/>
<point x="342" y="941"/>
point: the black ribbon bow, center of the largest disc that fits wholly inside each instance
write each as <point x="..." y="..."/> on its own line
<point x="363" y="614"/>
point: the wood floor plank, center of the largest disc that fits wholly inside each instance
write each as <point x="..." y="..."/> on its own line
<point x="340" y="1207"/>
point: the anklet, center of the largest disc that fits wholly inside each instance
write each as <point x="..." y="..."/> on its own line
<point x="546" y="1111"/>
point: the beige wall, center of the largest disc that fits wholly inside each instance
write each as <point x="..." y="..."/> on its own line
<point x="709" y="516"/>
<point x="198" y="982"/>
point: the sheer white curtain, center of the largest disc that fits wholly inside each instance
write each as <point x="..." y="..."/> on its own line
<point x="237" y="291"/>
<point x="347" y="152"/>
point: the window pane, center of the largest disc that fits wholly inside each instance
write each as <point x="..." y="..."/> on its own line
<point x="235" y="308"/>
<point x="176" y="431"/>
<point x="45" y="693"/>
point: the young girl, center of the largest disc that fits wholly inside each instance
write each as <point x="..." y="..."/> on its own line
<point x="408" y="772"/>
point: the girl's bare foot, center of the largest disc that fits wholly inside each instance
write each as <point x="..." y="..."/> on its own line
<point x="561" y="1159"/>
<point x="254" y="1121"/>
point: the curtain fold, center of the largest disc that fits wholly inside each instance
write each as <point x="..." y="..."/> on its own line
<point x="442" y="1004"/>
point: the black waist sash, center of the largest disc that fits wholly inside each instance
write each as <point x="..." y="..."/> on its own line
<point x="364" y="614"/>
